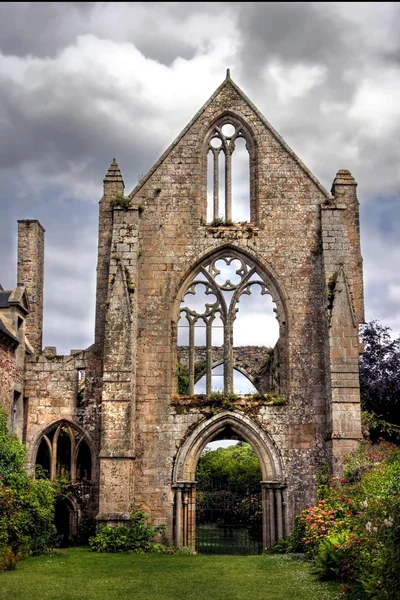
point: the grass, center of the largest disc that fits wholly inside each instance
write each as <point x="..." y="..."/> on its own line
<point x="79" y="574"/>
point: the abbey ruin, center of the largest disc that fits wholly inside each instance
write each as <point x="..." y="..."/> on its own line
<point x="178" y="257"/>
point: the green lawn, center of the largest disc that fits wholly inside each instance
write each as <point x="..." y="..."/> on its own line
<point x="78" y="574"/>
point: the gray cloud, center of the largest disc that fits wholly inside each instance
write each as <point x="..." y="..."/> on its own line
<point x="83" y="82"/>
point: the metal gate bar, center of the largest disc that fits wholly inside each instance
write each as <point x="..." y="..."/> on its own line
<point x="228" y="519"/>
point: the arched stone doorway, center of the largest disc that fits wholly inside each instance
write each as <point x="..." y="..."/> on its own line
<point x="274" y="517"/>
<point x="66" y="520"/>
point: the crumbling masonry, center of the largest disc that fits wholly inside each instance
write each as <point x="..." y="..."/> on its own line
<point x="111" y="415"/>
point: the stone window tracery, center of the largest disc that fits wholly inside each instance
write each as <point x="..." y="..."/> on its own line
<point x="209" y="306"/>
<point x="229" y="171"/>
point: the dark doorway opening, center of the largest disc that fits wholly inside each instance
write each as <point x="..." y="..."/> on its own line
<point x="65" y="522"/>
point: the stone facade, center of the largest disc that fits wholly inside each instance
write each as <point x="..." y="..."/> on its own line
<point x="120" y="395"/>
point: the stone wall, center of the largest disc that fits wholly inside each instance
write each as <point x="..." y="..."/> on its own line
<point x="156" y="242"/>
<point x="306" y="244"/>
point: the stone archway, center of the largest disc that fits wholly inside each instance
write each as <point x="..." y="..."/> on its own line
<point x="274" y="520"/>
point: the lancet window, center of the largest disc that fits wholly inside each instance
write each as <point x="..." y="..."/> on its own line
<point x="229" y="169"/>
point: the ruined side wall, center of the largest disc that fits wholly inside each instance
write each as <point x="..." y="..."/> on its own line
<point x="51" y="388"/>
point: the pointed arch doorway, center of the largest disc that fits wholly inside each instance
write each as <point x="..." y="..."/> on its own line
<point x="273" y="492"/>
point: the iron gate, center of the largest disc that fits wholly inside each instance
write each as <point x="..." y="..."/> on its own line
<point x="228" y="519"/>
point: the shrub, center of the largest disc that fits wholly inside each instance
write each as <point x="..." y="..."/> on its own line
<point x="86" y="529"/>
<point x="137" y="538"/>
<point x="335" y="556"/>
<point x="353" y="532"/>
<point x="26" y="504"/>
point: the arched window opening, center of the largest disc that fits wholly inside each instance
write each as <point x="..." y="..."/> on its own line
<point x="242" y="384"/>
<point x="228" y="497"/>
<point x="63" y="463"/>
<point x="63" y="450"/>
<point x="228" y="332"/>
<point x="43" y="458"/>
<point x="83" y="463"/>
<point x="228" y="174"/>
<point x="240" y="182"/>
<point x="255" y="321"/>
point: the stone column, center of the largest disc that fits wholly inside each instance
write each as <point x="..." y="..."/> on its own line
<point x="185" y="514"/>
<point x="178" y="516"/>
<point x="273" y="512"/>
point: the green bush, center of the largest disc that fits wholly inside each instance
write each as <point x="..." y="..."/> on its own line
<point x="26" y="504"/>
<point x="139" y="537"/>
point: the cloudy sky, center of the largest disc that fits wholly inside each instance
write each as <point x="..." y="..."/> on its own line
<point x="81" y="83"/>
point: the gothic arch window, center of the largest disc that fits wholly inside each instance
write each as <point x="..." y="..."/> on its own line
<point x="230" y="172"/>
<point x="212" y="301"/>
<point x="63" y="449"/>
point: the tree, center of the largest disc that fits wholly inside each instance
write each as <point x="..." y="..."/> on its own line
<point x="380" y="378"/>
<point x="236" y="464"/>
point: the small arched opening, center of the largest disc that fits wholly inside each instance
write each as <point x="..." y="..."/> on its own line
<point x="66" y="520"/>
<point x="83" y="462"/>
<point x="43" y="457"/>
<point x="64" y="452"/>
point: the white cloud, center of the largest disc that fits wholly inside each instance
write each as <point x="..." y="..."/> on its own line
<point x="89" y="81"/>
<point x="295" y="81"/>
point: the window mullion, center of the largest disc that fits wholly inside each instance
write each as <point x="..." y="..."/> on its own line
<point x="191" y="356"/>
<point x="228" y="359"/>
<point x="228" y="185"/>
<point x="209" y="356"/>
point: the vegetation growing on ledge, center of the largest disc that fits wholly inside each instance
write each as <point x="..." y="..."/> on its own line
<point x="120" y="200"/>
<point x="182" y="379"/>
<point x="220" y="400"/>
<point x="129" y="284"/>
<point x="269" y="398"/>
<point x="330" y="295"/>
